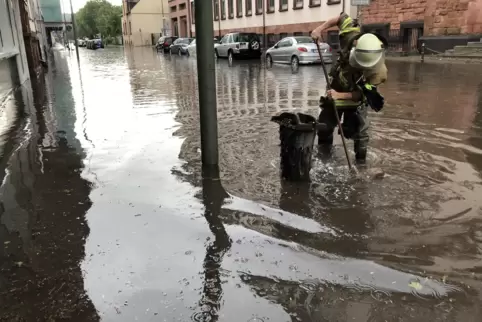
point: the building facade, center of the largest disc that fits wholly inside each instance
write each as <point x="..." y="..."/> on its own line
<point x="144" y="21"/>
<point x="181" y="17"/>
<point x="13" y="60"/>
<point x="275" y="18"/>
<point x="442" y="24"/>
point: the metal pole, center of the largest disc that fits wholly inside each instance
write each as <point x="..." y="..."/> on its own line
<point x="75" y="31"/>
<point x="206" y="81"/>
<point x="328" y="85"/>
<point x="422" y="54"/>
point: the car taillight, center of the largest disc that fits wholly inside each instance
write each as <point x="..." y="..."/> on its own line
<point x="166" y="44"/>
<point x="329" y="49"/>
<point x="303" y="49"/>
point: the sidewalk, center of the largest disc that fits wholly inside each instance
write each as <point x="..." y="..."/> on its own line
<point x="437" y="59"/>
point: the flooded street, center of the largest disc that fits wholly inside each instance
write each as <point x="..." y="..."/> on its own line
<point x="105" y="215"/>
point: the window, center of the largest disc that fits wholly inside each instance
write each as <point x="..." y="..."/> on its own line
<point x="193" y="15"/>
<point x="315" y="3"/>
<point x="259" y="7"/>
<point x="239" y="8"/>
<point x="283" y="5"/>
<point x="269" y="6"/>
<point x="230" y="9"/>
<point x="330" y="2"/>
<point x="249" y="7"/>
<point x="285" y="43"/>
<point x="223" y="9"/>
<point x="297" y="4"/>
<point x="304" y="40"/>
<point x="216" y="9"/>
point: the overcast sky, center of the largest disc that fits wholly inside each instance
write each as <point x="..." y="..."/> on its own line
<point x="77" y="4"/>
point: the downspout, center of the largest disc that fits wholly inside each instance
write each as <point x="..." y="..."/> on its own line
<point x="189" y="19"/>
<point x="163" y="19"/>
<point x="264" y="23"/>
<point x="219" y="19"/>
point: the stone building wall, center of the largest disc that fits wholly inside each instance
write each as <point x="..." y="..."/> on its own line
<point x="440" y="17"/>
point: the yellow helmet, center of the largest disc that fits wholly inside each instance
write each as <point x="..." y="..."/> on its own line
<point x="368" y="53"/>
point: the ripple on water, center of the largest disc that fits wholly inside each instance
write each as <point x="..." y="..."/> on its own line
<point x="301" y="246"/>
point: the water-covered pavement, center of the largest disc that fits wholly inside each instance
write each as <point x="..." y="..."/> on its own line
<point x="104" y="214"/>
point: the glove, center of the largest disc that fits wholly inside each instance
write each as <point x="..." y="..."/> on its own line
<point x="374" y="99"/>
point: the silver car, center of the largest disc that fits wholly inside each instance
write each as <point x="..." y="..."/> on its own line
<point x="191" y="49"/>
<point x="298" y="50"/>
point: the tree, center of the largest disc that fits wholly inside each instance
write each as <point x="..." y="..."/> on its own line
<point x="99" y="17"/>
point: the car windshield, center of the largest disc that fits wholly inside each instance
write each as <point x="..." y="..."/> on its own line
<point x="183" y="41"/>
<point x="303" y="40"/>
<point x="245" y="37"/>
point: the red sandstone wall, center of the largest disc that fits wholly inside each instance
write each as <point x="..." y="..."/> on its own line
<point x="441" y="17"/>
<point x="394" y="11"/>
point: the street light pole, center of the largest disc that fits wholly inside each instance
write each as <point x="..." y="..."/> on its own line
<point x="75" y="31"/>
<point x="206" y="74"/>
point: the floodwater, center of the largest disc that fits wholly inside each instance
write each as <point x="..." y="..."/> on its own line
<point x="105" y="214"/>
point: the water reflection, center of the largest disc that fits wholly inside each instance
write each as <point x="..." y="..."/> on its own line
<point x="340" y="248"/>
<point x="44" y="202"/>
<point x="213" y="196"/>
<point x="351" y="212"/>
<point x="475" y="134"/>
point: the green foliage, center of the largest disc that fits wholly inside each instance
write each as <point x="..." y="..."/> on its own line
<point x="99" y="16"/>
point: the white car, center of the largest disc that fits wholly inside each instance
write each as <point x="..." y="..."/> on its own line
<point x="191" y="48"/>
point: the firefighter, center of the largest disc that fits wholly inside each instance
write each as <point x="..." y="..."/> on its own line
<point x="354" y="78"/>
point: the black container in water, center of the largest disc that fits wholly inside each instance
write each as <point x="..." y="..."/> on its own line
<point x="297" y="136"/>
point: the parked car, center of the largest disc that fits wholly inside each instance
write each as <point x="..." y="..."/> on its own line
<point x="164" y="42"/>
<point x="179" y="46"/>
<point x="239" y="45"/>
<point x="94" y="44"/>
<point x="298" y="50"/>
<point x="80" y="42"/>
<point x="191" y="48"/>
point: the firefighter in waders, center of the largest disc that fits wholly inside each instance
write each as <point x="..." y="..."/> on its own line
<point x="354" y="77"/>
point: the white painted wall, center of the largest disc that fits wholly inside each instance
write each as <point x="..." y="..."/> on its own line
<point x="146" y="18"/>
<point x="11" y="44"/>
<point x="305" y="15"/>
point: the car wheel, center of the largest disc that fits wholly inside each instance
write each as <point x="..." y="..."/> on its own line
<point x="216" y="55"/>
<point x="269" y="61"/>
<point x="170" y="51"/>
<point x="230" y="57"/>
<point x="295" y="62"/>
<point x="179" y="52"/>
<point x="187" y="53"/>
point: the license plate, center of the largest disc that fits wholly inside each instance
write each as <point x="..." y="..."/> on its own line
<point x="243" y="45"/>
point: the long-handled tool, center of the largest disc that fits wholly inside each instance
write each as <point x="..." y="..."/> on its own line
<point x="328" y="85"/>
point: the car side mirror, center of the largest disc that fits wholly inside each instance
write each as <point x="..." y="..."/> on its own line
<point x="276" y="46"/>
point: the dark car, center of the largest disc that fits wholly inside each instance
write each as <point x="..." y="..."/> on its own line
<point x="239" y="45"/>
<point x="179" y="46"/>
<point x="165" y="42"/>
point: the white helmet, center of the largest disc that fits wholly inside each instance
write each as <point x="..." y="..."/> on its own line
<point x="368" y="53"/>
